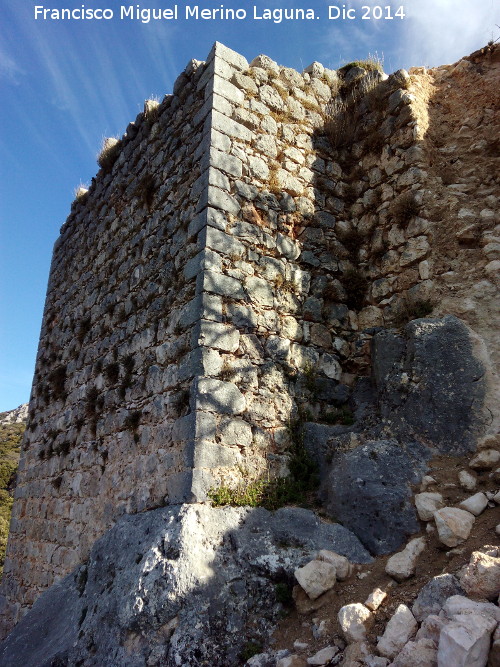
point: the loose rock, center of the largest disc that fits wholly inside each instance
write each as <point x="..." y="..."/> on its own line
<point x="453" y="525"/>
<point x="375" y="599"/>
<point x="458" y="605"/>
<point x="342" y="565"/>
<point x="353" y="619"/>
<point x="481" y="577"/>
<point x="355" y="655"/>
<point x="398" y="631"/>
<point x="431" y="628"/>
<point x="475" y="504"/>
<point x="376" y="661"/>
<point x="434" y="594"/>
<point x="421" y="653"/>
<point x="427" y="480"/>
<point x="466" y="642"/>
<point x="291" y="661"/>
<point x="316" y="578"/>
<point x="402" y="565"/>
<point x="485" y="459"/>
<point x="324" y="656"/>
<point x="427" y="504"/>
<point x="467" y="480"/>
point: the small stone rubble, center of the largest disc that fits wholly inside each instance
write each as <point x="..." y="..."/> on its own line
<point x="454" y="620"/>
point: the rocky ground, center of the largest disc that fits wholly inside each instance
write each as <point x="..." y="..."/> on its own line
<point x="400" y="610"/>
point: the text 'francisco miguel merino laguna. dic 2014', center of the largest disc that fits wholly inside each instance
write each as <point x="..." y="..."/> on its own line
<point x="221" y="13"/>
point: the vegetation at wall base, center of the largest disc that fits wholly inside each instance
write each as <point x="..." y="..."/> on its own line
<point x="273" y="492"/>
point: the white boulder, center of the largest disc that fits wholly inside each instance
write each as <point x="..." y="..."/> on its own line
<point x="316" y="578"/>
<point x="486" y="459"/>
<point x="375" y="599"/>
<point x="342" y="565"/>
<point x="398" y="631"/>
<point x="427" y="503"/>
<point x="481" y="577"/>
<point x="402" y="565"/>
<point x="476" y="504"/>
<point x="459" y="605"/>
<point x="467" y="480"/>
<point x="465" y="642"/>
<point x="353" y="619"/>
<point x="421" y="653"/>
<point x="453" y="525"/>
<point x="324" y="656"/>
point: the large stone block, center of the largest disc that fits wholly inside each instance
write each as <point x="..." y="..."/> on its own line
<point x="200" y="425"/>
<point x="465" y="642"/>
<point x="212" y="455"/>
<point x="242" y="316"/>
<point x="202" y="361"/>
<point x="209" y="281"/>
<point x="222" y="243"/>
<point x="214" y="196"/>
<point x="234" y="59"/>
<point x="225" y="89"/>
<point x="369" y="490"/>
<point x="259" y="291"/>
<point x="216" y="335"/>
<point x="229" y="127"/>
<point x="230" y="164"/>
<point x="207" y="259"/>
<point x="208" y="216"/>
<point x="216" y="396"/>
<point x="445" y="406"/>
<point x="235" y="432"/>
<point x="218" y="179"/>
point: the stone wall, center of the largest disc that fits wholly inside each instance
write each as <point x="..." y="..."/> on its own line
<point x="114" y="368"/>
<point x="223" y="275"/>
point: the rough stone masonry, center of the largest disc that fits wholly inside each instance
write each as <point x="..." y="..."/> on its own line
<point x="224" y="274"/>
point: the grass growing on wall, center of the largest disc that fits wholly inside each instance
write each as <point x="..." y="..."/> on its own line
<point x="10" y="445"/>
<point x="274" y="492"/>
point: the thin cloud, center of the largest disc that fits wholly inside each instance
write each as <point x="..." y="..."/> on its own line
<point x="438" y="33"/>
<point x="158" y="38"/>
<point x="433" y="32"/>
<point x="9" y="69"/>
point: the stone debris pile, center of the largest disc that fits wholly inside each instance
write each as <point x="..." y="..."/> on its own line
<point x="453" y="620"/>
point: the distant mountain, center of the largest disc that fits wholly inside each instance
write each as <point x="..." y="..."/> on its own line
<point x="12" y="425"/>
<point x="16" y="416"/>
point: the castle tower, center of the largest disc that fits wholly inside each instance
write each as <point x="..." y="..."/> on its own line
<point x="199" y="298"/>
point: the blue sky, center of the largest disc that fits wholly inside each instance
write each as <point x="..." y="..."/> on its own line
<point x="64" y="85"/>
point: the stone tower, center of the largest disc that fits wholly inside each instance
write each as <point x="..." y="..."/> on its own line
<point x="207" y="289"/>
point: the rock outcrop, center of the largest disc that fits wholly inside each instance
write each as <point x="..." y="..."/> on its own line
<point x="185" y="585"/>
